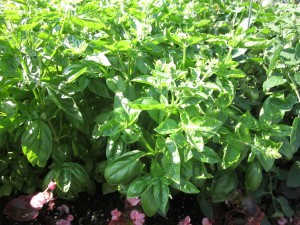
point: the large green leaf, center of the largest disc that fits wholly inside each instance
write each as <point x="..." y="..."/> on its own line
<point x="138" y="186"/>
<point x="161" y="194"/>
<point x="65" y="103"/>
<point x="125" y="168"/>
<point x="293" y="178"/>
<point x="275" y="106"/>
<point x="223" y="184"/>
<point x="171" y="161"/>
<point x="149" y="202"/>
<point x="37" y="142"/>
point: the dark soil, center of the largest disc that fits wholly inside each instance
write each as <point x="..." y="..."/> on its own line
<point x="95" y="210"/>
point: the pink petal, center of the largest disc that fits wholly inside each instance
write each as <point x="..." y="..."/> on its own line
<point x="115" y="214"/>
<point x="134" y="214"/>
<point x="134" y="201"/>
<point x="205" y="221"/>
<point x="52" y="185"/>
<point x="70" y="217"/>
<point x="38" y="200"/>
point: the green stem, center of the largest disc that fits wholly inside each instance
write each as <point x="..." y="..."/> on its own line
<point x="56" y="138"/>
<point x="148" y="145"/>
<point x="294" y="86"/>
<point x="184" y="56"/>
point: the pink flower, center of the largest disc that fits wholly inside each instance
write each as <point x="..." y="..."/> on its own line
<point x="115" y="214"/>
<point x="137" y="217"/>
<point x="186" y="221"/>
<point x="282" y="221"/>
<point x="134" y="201"/>
<point x="63" y="222"/>
<point x="38" y="200"/>
<point x="70" y="217"/>
<point x="64" y="208"/>
<point x="52" y="185"/>
<point x="205" y="221"/>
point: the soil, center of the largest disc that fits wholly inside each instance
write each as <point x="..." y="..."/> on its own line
<point x="95" y="210"/>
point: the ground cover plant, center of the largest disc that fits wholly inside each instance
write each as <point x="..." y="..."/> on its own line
<point x="153" y="98"/>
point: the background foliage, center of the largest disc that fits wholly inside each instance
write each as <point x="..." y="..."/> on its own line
<point x="150" y="98"/>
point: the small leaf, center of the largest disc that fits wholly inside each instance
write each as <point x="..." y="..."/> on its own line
<point x="273" y="81"/>
<point x="99" y="58"/>
<point x="116" y="84"/>
<point x="74" y="71"/>
<point x="168" y="126"/>
<point x="146" y="103"/>
<point x="295" y="135"/>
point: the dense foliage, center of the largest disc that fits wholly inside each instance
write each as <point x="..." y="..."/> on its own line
<point x="151" y="97"/>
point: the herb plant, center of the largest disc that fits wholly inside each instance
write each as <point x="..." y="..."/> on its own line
<point x="150" y="98"/>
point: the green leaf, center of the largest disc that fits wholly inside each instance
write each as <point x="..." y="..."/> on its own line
<point x="274" y="60"/>
<point x="125" y="168"/>
<point x="63" y="179"/>
<point x="207" y="155"/>
<point x="161" y="194"/>
<point x="274" y="108"/>
<point x="206" y="208"/>
<point x="287" y="210"/>
<point x="115" y="148"/>
<point x="37" y="142"/>
<point x="116" y="84"/>
<point x="146" y="103"/>
<point x="223" y="184"/>
<point x="71" y="178"/>
<point x="232" y="154"/>
<point x="295" y="135"/>
<point x="293" y="178"/>
<point x="145" y="79"/>
<point x="138" y="186"/>
<point x="8" y="114"/>
<point x="256" y="43"/>
<point x="74" y="71"/>
<point x="168" y="126"/>
<point x="273" y="81"/>
<point x="110" y="128"/>
<point x="65" y="103"/>
<point x="99" y="58"/>
<point x="171" y="161"/>
<point x="6" y="189"/>
<point x="99" y="88"/>
<point x="149" y="202"/>
<point x="253" y="176"/>
<point x="92" y="23"/>
<point x="156" y="170"/>
<point x="266" y="151"/>
<point x="122" y="45"/>
<point x="206" y="125"/>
